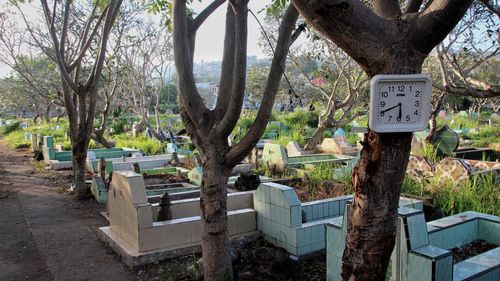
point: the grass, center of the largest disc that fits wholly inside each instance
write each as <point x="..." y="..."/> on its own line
<point x="16" y="140"/>
<point x="481" y="193"/>
<point x="144" y="144"/>
<point x="328" y="172"/>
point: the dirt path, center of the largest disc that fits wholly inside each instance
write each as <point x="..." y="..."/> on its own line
<point x="44" y="234"/>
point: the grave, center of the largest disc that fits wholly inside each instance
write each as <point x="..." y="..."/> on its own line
<point x="172" y="147"/>
<point x="99" y="189"/>
<point x="298" y="227"/>
<point x="338" y="145"/>
<point x="126" y="163"/>
<point x="293" y="148"/>
<point x="136" y="235"/>
<point x="450" y="169"/>
<point x="420" y="167"/>
<point x="447" y="142"/>
<point x="195" y="176"/>
<point x="422" y="250"/>
<point x="275" y="155"/>
<point x="62" y="159"/>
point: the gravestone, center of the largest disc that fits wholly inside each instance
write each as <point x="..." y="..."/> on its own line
<point x="293" y="148"/>
<point x="445" y="140"/>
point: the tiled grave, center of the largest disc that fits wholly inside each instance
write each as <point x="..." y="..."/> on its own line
<point x="422" y="251"/>
<point x="195" y="176"/>
<point x="450" y="169"/>
<point x="62" y="159"/>
<point x="298" y="227"/>
<point x="276" y="155"/>
<point x="153" y="192"/>
<point x="338" y="145"/>
<point x="127" y="163"/>
<point x="139" y="239"/>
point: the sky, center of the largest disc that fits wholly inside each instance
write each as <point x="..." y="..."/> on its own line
<point x="210" y="36"/>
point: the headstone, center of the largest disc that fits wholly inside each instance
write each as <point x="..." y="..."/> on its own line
<point x="445" y="140"/>
<point x="442" y="114"/>
<point x="195" y="176"/>
<point x="91" y="155"/>
<point x="165" y="214"/>
<point x="338" y="145"/>
<point x="453" y="169"/>
<point x="101" y="167"/>
<point x="172" y="147"/>
<point x="175" y="159"/>
<point x="254" y="157"/>
<point x="293" y="149"/>
<point x="48" y="141"/>
<point x="137" y="169"/>
<point x="339" y="133"/>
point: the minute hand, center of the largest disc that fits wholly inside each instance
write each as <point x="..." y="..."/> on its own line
<point x="384" y="111"/>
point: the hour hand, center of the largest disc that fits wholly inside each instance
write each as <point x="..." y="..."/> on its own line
<point x="385" y="110"/>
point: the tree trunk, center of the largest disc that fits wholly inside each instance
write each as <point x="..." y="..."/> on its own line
<point x="377" y="179"/>
<point x="47" y="114"/>
<point x="215" y="236"/>
<point x="316" y="138"/>
<point x="142" y="125"/>
<point x="432" y="128"/>
<point x="36" y="118"/>
<point x="79" y="170"/>
<point x="98" y="136"/>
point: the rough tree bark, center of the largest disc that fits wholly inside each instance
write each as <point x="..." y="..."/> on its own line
<point x="80" y="92"/>
<point x="382" y="41"/>
<point x="209" y="129"/>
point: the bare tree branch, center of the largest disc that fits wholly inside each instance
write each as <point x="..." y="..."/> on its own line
<point x="243" y="148"/>
<point x="189" y="96"/>
<point x="435" y="22"/>
<point x="232" y="115"/>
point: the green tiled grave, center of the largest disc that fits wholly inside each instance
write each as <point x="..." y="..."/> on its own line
<point x="276" y="155"/>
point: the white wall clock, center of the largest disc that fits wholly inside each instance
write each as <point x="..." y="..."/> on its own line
<point x="400" y="103"/>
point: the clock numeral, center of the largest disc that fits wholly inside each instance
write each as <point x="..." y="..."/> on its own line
<point x="391" y="88"/>
<point x="382" y="104"/>
<point x="401" y="88"/>
<point x="417" y="103"/>
<point x="410" y="88"/>
<point x="416" y="112"/>
<point x="398" y="119"/>
<point x="384" y="94"/>
<point x="390" y="117"/>
<point x="417" y="94"/>
<point x="408" y="118"/>
<point x="382" y="113"/>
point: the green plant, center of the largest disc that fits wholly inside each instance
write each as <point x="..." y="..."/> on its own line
<point x="12" y="127"/>
<point x="480" y="194"/>
<point x="430" y="152"/>
<point x="15" y="139"/>
<point x="146" y="145"/>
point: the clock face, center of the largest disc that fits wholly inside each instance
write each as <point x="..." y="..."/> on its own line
<point x="399" y="103"/>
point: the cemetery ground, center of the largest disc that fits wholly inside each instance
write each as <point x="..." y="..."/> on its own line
<point x="46" y="235"/>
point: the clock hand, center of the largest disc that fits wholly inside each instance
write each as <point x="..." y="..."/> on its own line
<point x="400" y="113"/>
<point x="384" y="111"/>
